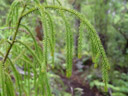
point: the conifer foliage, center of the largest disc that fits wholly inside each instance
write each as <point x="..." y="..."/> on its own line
<point x="15" y="18"/>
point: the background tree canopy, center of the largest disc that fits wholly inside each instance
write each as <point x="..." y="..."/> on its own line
<point x="63" y="48"/>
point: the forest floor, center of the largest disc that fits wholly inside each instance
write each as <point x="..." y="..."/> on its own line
<point x="78" y="81"/>
<point x="73" y="84"/>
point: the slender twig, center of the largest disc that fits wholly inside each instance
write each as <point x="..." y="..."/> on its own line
<point x="14" y="37"/>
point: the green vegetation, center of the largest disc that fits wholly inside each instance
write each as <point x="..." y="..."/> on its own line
<point x="39" y="40"/>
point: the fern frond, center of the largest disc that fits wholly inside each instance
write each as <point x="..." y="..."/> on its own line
<point x="13" y="14"/>
<point x="15" y="73"/>
<point x="29" y="11"/>
<point x="44" y="81"/>
<point x="98" y="50"/>
<point x="96" y="60"/>
<point x="69" y="43"/>
<point x="9" y="85"/>
<point x="69" y="46"/>
<point x="2" y="80"/>
<point x="37" y="48"/>
<point x="44" y="21"/>
<point x="30" y="50"/>
<point x="43" y="74"/>
<point x="80" y="40"/>
<point x="51" y="36"/>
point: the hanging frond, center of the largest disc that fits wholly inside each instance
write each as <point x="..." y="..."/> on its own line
<point x="80" y="39"/>
<point x="9" y="85"/>
<point x="2" y="80"/>
<point x="69" y="43"/>
<point x="51" y="36"/>
<point x="37" y="48"/>
<point x="96" y="60"/>
<point x="44" y="21"/>
<point x="13" y="14"/>
<point x="16" y="74"/>
<point x="69" y="46"/>
<point x="98" y="51"/>
<point x="43" y="74"/>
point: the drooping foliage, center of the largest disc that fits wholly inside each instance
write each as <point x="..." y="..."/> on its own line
<point x="40" y="57"/>
<point x="80" y="39"/>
